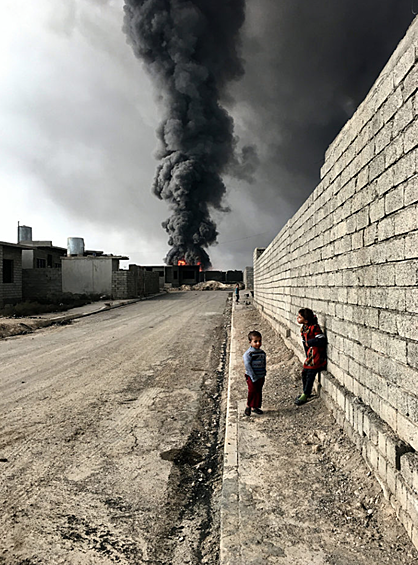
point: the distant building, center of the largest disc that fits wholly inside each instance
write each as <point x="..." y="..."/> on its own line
<point x="10" y="273"/>
<point x="249" y="278"/>
<point x="176" y="275"/>
<point x="90" y="274"/>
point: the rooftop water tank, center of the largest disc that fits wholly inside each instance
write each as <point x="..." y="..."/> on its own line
<point x="75" y="246"/>
<point x="24" y="233"/>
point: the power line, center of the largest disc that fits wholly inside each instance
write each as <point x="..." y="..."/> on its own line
<point x="242" y="238"/>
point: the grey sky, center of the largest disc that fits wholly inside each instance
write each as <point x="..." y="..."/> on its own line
<point x="77" y="116"/>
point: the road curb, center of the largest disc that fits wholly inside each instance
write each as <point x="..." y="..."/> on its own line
<point x="69" y="317"/>
<point x="230" y="543"/>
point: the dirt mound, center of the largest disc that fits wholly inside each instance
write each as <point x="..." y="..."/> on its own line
<point x="209" y="285"/>
<point x="20" y="326"/>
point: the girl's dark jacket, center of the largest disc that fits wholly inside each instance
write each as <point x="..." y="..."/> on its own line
<point x="315" y="345"/>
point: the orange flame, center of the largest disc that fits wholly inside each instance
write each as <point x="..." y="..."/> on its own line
<point x="182" y="262"/>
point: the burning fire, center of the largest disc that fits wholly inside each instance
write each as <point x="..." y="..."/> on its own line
<point x="183" y="262"/>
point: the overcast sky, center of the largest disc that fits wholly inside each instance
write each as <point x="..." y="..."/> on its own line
<point x="78" y="118"/>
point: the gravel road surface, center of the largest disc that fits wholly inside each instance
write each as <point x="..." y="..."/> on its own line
<point x="110" y="435"/>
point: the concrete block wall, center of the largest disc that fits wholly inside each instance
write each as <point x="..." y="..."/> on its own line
<point x="134" y="282"/>
<point x="351" y="254"/>
<point x="41" y="283"/>
<point x="151" y="283"/>
<point x="11" y="293"/>
<point x="120" y="284"/>
<point x="128" y="283"/>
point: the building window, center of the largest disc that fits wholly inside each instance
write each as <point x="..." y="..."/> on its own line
<point x="40" y="263"/>
<point x="148" y="268"/>
<point x="8" y="270"/>
<point x="175" y="275"/>
<point x="49" y="260"/>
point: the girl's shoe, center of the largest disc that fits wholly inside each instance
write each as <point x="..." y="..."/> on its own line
<point x="258" y="411"/>
<point x="301" y="400"/>
<point x="247" y="411"/>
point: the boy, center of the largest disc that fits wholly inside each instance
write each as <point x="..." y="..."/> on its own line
<point x="255" y="372"/>
<point x="314" y="343"/>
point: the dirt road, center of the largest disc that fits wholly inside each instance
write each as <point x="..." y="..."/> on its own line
<point x="109" y="447"/>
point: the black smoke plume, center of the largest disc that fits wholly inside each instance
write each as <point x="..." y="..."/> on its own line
<point x="190" y="48"/>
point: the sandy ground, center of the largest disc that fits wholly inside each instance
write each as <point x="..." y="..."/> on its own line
<point x="109" y="436"/>
<point x="111" y="449"/>
<point x="306" y="495"/>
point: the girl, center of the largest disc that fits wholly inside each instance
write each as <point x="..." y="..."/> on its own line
<point x="314" y="343"/>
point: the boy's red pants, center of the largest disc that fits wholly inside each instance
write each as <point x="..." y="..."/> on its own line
<point x="254" y="392"/>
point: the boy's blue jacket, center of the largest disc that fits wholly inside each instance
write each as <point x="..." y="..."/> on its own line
<point x="255" y="363"/>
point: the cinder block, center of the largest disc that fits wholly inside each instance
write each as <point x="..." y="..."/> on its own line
<point x="396" y="298"/>
<point x="406" y="273"/>
<point x="367" y="426"/>
<point x="404" y="168"/>
<point x="411" y="297"/>
<point x="394" y="200"/>
<point x="386" y="228"/>
<point x="386" y="181"/>
<point x="395" y="450"/>
<point x="365" y="156"/>
<point x="391" y="478"/>
<point x="407" y="431"/>
<point x="372" y="456"/>
<point x="411" y="245"/>
<point x="405" y="520"/>
<point x="381" y="440"/>
<point x="401" y="493"/>
<point x="377" y="166"/>
<point x="411" y="137"/>
<point x="412" y="505"/>
<point x="383" y="88"/>
<point x="412" y="354"/>
<point x="382" y="471"/>
<point x="403" y="117"/>
<point x="386" y="273"/>
<point x="362" y="178"/>
<point x="392" y="104"/>
<point x="409" y="469"/>
<point x="410" y="83"/>
<point x="407" y="326"/>
<point x="397" y="349"/>
<point x="404" y="65"/>
<point x="406" y="220"/>
<point x="377" y="210"/>
<point x="383" y="138"/>
<point x="387" y="322"/>
<point x="371" y="233"/>
<point x="388" y="413"/>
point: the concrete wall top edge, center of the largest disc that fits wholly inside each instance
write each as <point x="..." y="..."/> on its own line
<point x="410" y="38"/>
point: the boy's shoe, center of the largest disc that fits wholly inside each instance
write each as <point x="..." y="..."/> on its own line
<point x="247" y="411"/>
<point x="258" y="411"/>
<point x="301" y="400"/>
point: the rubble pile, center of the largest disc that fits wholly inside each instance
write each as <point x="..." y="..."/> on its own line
<point x="209" y="285"/>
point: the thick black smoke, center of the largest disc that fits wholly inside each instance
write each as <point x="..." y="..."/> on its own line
<point x="190" y="49"/>
<point x="308" y="66"/>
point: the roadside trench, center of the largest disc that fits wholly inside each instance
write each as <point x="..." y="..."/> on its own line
<point x="188" y="530"/>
